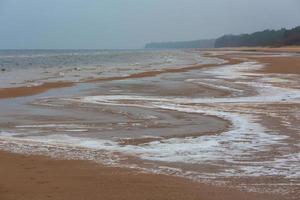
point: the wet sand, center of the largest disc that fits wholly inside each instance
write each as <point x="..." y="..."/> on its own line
<point x="31" y="90"/>
<point x="230" y="61"/>
<point x="284" y="49"/>
<point x="280" y="65"/>
<point x="40" y="178"/>
<point x="35" y="177"/>
<point x="287" y="64"/>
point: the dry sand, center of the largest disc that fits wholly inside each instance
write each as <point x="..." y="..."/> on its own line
<point x="281" y="65"/>
<point x="40" y="178"/>
<point x="289" y="64"/>
<point x="34" y="177"/>
<point x="289" y="49"/>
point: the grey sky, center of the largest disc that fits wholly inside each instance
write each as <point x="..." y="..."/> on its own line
<point x="132" y="23"/>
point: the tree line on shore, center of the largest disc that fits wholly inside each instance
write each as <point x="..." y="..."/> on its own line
<point x="282" y="37"/>
<point x="182" y="45"/>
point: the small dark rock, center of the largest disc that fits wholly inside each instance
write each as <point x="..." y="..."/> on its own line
<point x="3" y="70"/>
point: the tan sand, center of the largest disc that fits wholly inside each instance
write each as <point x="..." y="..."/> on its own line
<point x="40" y="178"/>
<point x="289" y="49"/>
<point x="32" y="90"/>
<point x="290" y="65"/>
<point x="154" y="73"/>
<point x="281" y="65"/>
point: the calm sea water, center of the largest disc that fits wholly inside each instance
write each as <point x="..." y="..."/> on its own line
<point x="79" y="58"/>
<point x="96" y="120"/>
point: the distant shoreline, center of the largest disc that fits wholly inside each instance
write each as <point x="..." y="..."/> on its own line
<point x="271" y="38"/>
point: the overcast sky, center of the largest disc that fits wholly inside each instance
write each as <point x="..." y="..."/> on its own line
<point x="103" y="24"/>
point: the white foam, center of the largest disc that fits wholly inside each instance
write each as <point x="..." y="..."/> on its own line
<point x="51" y="126"/>
<point x="76" y="130"/>
<point x="213" y="85"/>
<point x="238" y="147"/>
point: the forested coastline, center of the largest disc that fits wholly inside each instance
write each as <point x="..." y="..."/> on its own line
<point x="280" y="37"/>
<point x="273" y="38"/>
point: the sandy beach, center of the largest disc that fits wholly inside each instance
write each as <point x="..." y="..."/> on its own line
<point x="140" y="114"/>
<point x="33" y="177"/>
<point x="32" y="90"/>
<point x="13" y="92"/>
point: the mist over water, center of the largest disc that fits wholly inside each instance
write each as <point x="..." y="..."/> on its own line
<point x="78" y="24"/>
